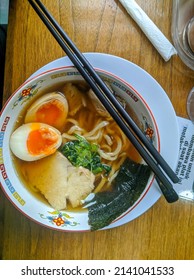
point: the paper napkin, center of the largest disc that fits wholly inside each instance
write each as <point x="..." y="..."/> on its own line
<point x="156" y="37"/>
<point x="185" y="165"/>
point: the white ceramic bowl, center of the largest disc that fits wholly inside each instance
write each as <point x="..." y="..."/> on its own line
<point x="17" y="193"/>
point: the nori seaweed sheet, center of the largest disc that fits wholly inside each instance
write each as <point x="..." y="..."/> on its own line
<point x="127" y="188"/>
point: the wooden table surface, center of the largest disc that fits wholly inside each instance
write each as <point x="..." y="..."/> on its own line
<point x="166" y="231"/>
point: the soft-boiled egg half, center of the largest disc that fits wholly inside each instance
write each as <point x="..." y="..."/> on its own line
<point x="51" y="108"/>
<point x="34" y="141"/>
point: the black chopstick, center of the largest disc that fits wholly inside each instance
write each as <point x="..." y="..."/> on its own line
<point x="110" y="96"/>
<point x="131" y="130"/>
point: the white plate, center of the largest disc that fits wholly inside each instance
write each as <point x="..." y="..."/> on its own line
<point x="159" y="104"/>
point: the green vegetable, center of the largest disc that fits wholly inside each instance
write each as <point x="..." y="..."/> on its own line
<point x="81" y="153"/>
<point x="127" y="187"/>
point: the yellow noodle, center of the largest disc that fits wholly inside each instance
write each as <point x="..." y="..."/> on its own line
<point x="108" y="139"/>
<point x="84" y="102"/>
<point x="126" y="142"/>
<point x="120" y="161"/>
<point x="74" y="129"/>
<point x="99" y="126"/>
<point x="94" y="137"/>
<point x="100" y="185"/>
<point x="100" y="139"/>
<point x="116" y="164"/>
<point x="118" y="148"/>
<point x="106" y="155"/>
<point x="111" y="178"/>
<point x="72" y="121"/>
<point x="66" y="136"/>
<point x="106" y="148"/>
<point x="111" y="155"/>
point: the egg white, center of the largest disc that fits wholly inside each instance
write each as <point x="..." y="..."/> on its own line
<point x="43" y="101"/>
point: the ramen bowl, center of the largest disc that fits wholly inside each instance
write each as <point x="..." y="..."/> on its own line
<point x="87" y="122"/>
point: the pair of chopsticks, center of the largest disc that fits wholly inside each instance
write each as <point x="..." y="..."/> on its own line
<point x="129" y="127"/>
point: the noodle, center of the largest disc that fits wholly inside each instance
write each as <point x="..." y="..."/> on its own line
<point x="101" y="184"/>
<point x="72" y="121"/>
<point x="108" y="140"/>
<point x="73" y="129"/>
<point x="99" y="126"/>
<point x="111" y="155"/>
<point x="94" y="137"/>
<point x="106" y="147"/>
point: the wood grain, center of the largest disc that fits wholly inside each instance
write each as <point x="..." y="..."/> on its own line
<point x="165" y="231"/>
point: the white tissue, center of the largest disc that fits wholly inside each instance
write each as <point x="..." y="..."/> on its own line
<point x="156" y="37"/>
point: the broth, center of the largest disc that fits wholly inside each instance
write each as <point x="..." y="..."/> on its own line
<point x="87" y="118"/>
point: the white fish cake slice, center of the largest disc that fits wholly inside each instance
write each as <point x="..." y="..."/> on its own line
<point x="59" y="181"/>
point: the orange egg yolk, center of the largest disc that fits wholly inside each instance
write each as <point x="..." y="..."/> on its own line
<point x="50" y="113"/>
<point x="41" y="141"/>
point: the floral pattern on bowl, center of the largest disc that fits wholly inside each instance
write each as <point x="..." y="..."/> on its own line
<point x="147" y="129"/>
<point x="28" y="93"/>
<point x="60" y="219"/>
